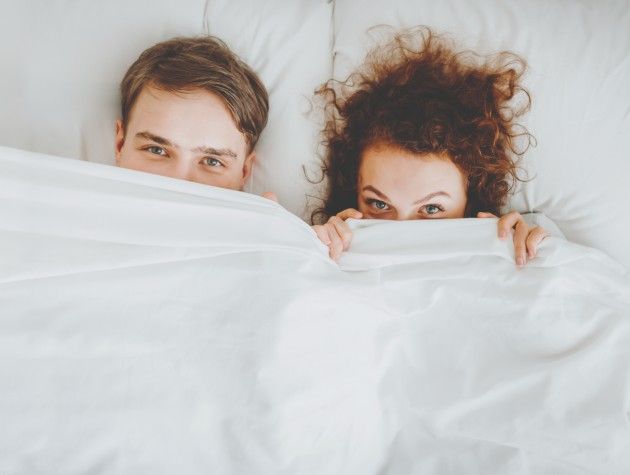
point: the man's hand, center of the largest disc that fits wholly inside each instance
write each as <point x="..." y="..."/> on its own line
<point x="270" y="195"/>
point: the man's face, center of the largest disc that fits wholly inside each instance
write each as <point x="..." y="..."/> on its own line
<point x="190" y="136"/>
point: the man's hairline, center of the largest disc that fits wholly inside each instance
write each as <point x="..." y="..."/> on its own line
<point x="152" y="84"/>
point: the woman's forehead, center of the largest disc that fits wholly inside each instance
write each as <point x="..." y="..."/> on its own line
<point x="400" y="169"/>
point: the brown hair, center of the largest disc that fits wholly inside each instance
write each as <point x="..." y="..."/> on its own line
<point x="416" y="92"/>
<point x="183" y="64"/>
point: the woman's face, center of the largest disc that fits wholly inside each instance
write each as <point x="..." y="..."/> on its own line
<point x="398" y="184"/>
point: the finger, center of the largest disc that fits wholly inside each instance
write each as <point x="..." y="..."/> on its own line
<point x="336" y="244"/>
<point x="507" y="222"/>
<point x="483" y="214"/>
<point x="350" y="213"/>
<point x="270" y="195"/>
<point x="534" y="238"/>
<point x="343" y="230"/>
<point x="322" y="233"/>
<point x="520" y="249"/>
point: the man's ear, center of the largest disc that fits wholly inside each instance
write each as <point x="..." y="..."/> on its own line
<point x="247" y="167"/>
<point x="120" y="138"/>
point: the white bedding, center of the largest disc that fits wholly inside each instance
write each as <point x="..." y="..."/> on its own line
<point x="149" y="325"/>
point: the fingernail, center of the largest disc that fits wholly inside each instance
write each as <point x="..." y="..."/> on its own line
<point x="502" y="234"/>
<point x="520" y="261"/>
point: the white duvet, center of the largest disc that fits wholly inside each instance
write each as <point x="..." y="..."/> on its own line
<point x="149" y="325"/>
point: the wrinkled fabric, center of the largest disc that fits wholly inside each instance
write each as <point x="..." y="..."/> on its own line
<point x="150" y="325"/>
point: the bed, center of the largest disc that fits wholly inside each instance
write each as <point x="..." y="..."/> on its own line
<point x="151" y="325"/>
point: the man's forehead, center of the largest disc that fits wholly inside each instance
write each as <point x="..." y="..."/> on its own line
<point x="197" y="101"/>
<point x="191" y="120"/>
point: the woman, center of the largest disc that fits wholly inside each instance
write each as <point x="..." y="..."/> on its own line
<point x="423" y="131"/>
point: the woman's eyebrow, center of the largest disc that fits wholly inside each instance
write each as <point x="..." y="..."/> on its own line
<point x="433" y="195"/>
<point x="375" y="191"/>
<point x="203" y="149"/>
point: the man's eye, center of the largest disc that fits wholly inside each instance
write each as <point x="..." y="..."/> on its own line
<point x="156" y="150"/>
<point x="432" y="209"/>
<point x="212" y="162"/>
<point x="378" y="204"/>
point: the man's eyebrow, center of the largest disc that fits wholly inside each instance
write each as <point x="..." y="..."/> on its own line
<point x="221" y="152"/>
<point x="375" y="191"/>
<point x="156" y="139"/>
<point x="432" y="195"/>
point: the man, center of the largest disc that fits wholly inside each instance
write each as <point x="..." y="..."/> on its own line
<point x="191" y="109"/>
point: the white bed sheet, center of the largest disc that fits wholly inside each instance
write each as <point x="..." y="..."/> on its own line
<point x="150" y="325"/>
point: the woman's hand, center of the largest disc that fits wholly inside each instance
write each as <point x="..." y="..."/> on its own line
<point x="526" y="240"/>
<point x="336" y="234"/>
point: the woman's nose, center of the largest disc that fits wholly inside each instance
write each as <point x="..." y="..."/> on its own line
<point x="406" y="215"/>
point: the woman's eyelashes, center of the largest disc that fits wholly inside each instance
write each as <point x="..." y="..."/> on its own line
<point x="376" y="205"/>
<point x="432" y="209"/>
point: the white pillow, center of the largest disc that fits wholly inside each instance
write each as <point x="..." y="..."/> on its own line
<point x="63" y="63"/>
<point x="288" y="44"/>
<point x="579" y="78"/>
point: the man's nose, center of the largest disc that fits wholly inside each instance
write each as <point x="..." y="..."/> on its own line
<point x="183" y="169"/>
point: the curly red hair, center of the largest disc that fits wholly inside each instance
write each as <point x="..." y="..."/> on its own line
<point x="418" y="93"/>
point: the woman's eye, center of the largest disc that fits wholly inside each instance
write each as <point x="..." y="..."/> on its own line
<point x="212" y="162"/>
<point x="433" y="209"/>
<point x="378" y="204"/>
<point x="155" y="150"/>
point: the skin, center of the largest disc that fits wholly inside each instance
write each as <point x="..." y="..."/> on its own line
<point x="187" y="135"/>
<point x="397" y="184"/>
